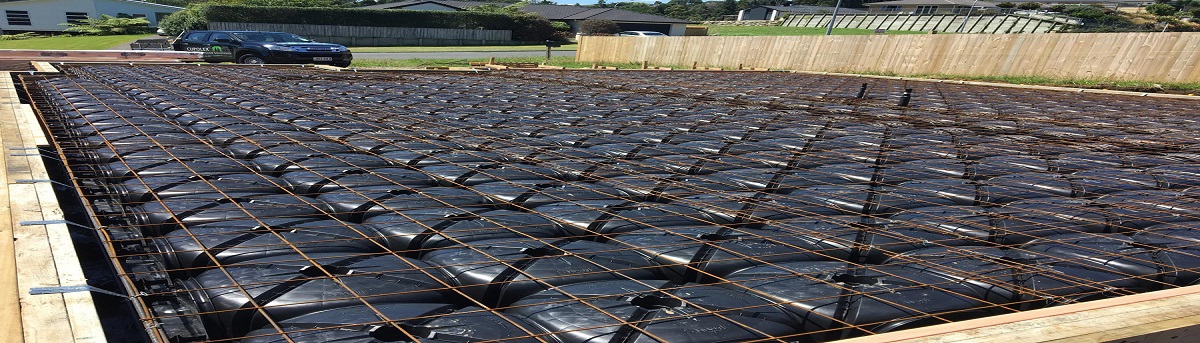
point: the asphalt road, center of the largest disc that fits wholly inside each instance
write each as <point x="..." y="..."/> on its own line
<point x="455" y="55"/>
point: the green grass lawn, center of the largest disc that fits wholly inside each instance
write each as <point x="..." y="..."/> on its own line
<point x="71" y="43"/>
<point x="489" y="48"/>
<point x="561" y="61"/>
<point x="788" y="31"/>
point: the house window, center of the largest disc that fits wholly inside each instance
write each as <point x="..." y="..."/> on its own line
<point x="926" y="10"/>
<point x="18" y="18"/>
<point x="961" y="9"/>
<point x="76" y="17"/>
<point x="891" y="8"/>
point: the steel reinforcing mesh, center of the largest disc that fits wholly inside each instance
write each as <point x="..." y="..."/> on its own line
<point x="295" y="205"/>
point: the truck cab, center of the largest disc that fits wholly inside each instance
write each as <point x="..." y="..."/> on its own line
<point x="260" y="47"/>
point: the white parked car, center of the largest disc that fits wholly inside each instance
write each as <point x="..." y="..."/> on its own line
<point x="641" y="34"/>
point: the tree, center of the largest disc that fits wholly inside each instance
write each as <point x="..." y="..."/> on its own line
<point x="603" y="26"/>
<point x="1057" y="8"/>
<point x="1029" y="6"/>
<point x="1162" y="10"/>
<point x="1006" y="5"/>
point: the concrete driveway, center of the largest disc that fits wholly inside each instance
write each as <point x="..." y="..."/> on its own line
<point x="455" y="55"/>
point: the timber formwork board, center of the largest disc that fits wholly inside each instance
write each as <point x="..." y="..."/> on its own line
<point x="35" y="245"/>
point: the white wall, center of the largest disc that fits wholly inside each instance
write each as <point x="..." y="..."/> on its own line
<point x="677" y="29"/>
<point x="46" y="15"/>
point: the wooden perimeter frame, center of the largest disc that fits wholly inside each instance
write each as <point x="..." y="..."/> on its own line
<point x="35" y="245"/>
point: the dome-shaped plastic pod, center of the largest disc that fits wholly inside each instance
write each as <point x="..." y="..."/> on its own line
<point x="498" y="272"/>
<point x="666" y="187"/>
<point x="248" y="126"/>
<point x="921" y="152"/>
<point x="1088" y="160"/>
<point x="814" y="158"/>
<point x="1020" y="278"/>
<point x="169" y="186"/>
<point x="1001" y="190"/>
<point x="925" y="193"/>
<point x="693" y="164"/>
<point x="593" y="168"/>
<point x="522" y="195"/>
<point x="354" y="204"/>
<point x="705" y="254"/>
<point x="236" y="241"/>
<point x="1112" y="180"/>
<point x="1061" y="215"/>
<point x="826" y="297"/>
<point x="262" y="136"/>
<point x="1011" y="164"/>
<point x="852" y="173"/>
<point x="415" y="231"/>
<point x="1122" y="253"/>
<point x="794" y="144"/>
<point x="382" y="144"/>
<point x="829" y="200"/>
<point x="743" y="207"/>
<point x="279" y="164"/>
<point x="1177" y="175"/>
<point x="163" y="216"/>
<point x="923" y="169"/>
<point x="120" y="126"/>
<point x="285" y="291"/>
<point x="603" y="217"/>
<point x="400" y="323"/>
<point x="870" y="242"/>
<point x="321" y="180"/>
<point x="451" y="175"/>
<point x="127" y="169"/>
<point x="1175" y="246"/>
<point x="588" y="139"/>
<point x="1139" y="209"/>
<point x="636" y="151"/>
<point x="447" y="157"/>
<point x="116" y="153"/>
<point x="962" y="221"/>
<point x="250" y="150"/>
<point x="651" y="311"/>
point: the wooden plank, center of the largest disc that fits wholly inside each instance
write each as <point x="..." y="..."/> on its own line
<point x="44" y="254"/>
<point x="1162" y="316"/>
<point x="10" y="320"/>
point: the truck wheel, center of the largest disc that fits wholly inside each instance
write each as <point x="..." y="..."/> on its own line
<point x="251" y="59"/>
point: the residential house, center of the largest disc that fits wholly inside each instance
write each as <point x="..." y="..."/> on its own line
<point x="778" y="12"/>
<point x="572" y="15"/>
<point x="49" y="15"/>
<point x="928" y="6"/>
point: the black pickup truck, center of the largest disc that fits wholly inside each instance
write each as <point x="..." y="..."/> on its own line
<point x="257" y="47"/>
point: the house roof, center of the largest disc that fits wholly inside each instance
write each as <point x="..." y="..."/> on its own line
<point x="813" y="9"/>
<point x="932" y="3"/>
<point x="551" y="12"/>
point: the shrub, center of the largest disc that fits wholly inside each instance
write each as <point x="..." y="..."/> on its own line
<point x="530" y="27"/>
<point x="20" y="36"/>
<point x="560" y="26"/>
<point x="1057" y="8"/>
<point x="593" y="26"/>
<point x="1162" y="10"/>
<point x="1029" y="6"/>
<point x="1006" y="5"/>
<point x="109" y="25"/>
<point x="188" y="19"/>
<point x="359" y="17"/>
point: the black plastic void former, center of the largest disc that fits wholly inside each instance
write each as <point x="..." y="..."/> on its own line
<point x="292" y="205"/>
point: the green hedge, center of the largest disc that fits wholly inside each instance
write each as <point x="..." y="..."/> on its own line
<point x="358" y="17"/>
